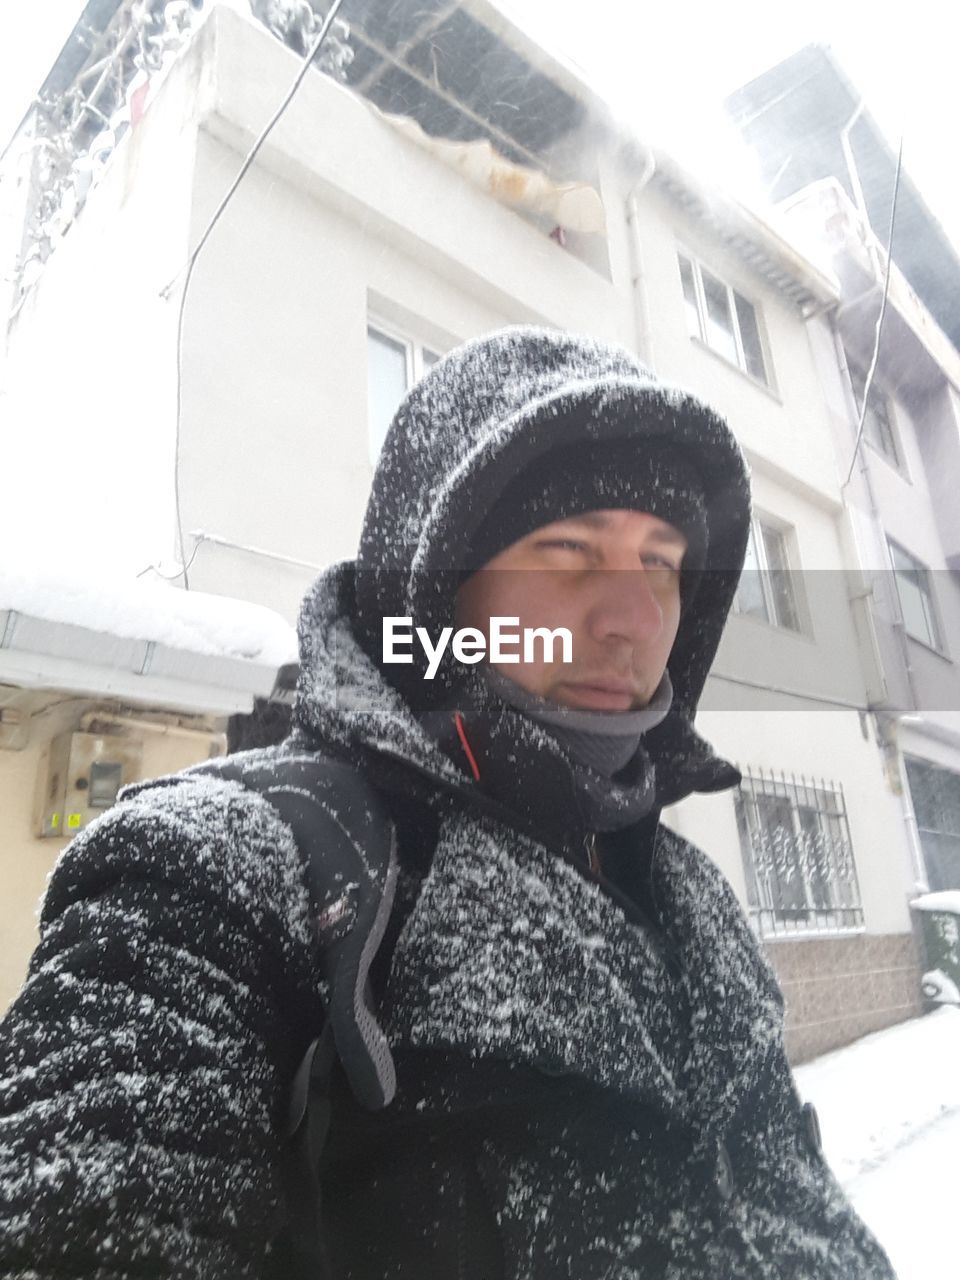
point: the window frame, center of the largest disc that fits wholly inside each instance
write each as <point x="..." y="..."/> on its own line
<point x="832" y="902"/>
<point x="928" y="595"/>
<point x="879" y="402"/>
<point x="415" y="364"/>
<point x="760" y="525"/>
<point x="733" y="296"/>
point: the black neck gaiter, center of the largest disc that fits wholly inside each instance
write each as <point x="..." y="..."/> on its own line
<point x="542" y="772"/>
<point x="601" y="740"/>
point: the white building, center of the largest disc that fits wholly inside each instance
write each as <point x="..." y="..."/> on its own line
<point x="838" y="179"/>
<point x="356" y="249"/>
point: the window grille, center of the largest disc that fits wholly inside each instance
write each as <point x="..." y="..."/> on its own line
<point x="935" y="792"/>
<point x="797" y="855"/>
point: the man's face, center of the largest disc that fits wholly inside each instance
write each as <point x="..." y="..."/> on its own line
<point x="612" y="578"/>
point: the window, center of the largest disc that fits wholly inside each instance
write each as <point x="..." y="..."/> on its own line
<point x="877" y="422"/>
<point x="106" y="779"/>
<point x="394" y="364"/>
<point x="797" y="856"/>
<point x="767" y="589"/>
<point x="915" y="591"/>
<point x="936" y="802"/>
<point x="723" y="319"/>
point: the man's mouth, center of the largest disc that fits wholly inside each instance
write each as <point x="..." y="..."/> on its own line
<point x="600" y="695"/>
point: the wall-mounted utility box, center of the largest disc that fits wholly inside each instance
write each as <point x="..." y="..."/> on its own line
<point x="80" y="775"/>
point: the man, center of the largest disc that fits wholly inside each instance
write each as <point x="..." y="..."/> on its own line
<point x="552" y="1046"/>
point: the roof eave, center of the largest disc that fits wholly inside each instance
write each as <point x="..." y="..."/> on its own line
<point x="750" y="235"/>
<point x="40" y="653"/>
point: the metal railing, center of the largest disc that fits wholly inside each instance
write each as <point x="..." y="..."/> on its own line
<point x="797" y="855"/>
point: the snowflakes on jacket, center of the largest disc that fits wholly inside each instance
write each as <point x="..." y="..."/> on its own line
<point x="577" y="1094"/>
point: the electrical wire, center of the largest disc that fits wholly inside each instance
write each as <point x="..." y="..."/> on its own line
<point x="883" y="310"/>
<point x="172" y="577"/>
<point x="187" y="270"/>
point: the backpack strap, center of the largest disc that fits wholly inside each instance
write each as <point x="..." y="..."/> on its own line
<point x="344" y="833"/>
<point x="347" y="840"/>
<point x="298" y="1252"/>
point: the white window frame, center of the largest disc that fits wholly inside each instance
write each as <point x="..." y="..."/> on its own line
<point x="929" y="596"/>
<point x="415" y="363"/>
<point x="732" y="295"/>
<point x="772" y="619"/>
<point x="878" y="396"/>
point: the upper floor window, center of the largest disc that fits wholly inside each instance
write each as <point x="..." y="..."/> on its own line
<point x="797" y="856"/>
<point x="915" y="591"/>
<point x="394" y="364"/>
<point x="767" y="589"/>
<point x="878" y="420"/>
<point x="722" y="318"/>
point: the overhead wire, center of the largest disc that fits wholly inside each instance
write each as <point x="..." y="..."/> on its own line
<point x="883" y="310"/>
<point x="172" y="577"/>
<point x="187" y="270"/>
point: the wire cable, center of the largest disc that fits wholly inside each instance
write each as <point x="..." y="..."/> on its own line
<point x="883" y="310"/>
<point x="171" y="577"/>
<point x="187" y="270"/>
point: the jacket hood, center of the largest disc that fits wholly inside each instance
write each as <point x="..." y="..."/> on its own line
<point x="490" y="409"/>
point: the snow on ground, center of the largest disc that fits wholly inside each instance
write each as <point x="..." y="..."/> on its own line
<point x="910" y="1203"/>
<point x="889" y="1108"/>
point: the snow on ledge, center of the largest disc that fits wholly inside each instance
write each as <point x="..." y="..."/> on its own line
<point x="216" y="626"/>
<point x="947" y="900"/>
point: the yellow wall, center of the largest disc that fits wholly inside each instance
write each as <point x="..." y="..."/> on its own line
<point x="25" y="860"/>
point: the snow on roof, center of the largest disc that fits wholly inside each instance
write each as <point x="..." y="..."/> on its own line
<point x="154" y="611"/>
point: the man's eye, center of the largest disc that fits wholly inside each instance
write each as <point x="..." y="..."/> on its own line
<point x="660" y="562"/>
<point x="566" y="544"/>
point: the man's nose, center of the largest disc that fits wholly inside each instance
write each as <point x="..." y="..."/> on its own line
<point x="625" y="606"/>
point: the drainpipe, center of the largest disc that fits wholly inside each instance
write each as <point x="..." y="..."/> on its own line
<point x="854" y="176"/>
<point x="891" y="741"/>
<point x="638" y="279"/>
<point x="852" y="173"/>
<point x="910" y="821"/>
<point x="99" y="721"/>
<point x="878" y="524"/>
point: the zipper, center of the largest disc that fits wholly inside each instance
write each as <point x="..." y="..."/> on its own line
<point x="593" y="853"/>
<point x="501" y="813"/>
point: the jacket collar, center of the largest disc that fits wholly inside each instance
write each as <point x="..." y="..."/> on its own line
<point x="510" y="953"/>
<point x="736" y="1002"/>
<point x="736" y="1007"/>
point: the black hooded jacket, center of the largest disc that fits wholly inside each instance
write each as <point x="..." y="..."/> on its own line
<point x="589" y="1070"/>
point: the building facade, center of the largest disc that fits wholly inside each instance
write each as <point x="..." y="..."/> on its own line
<point x="897" y="326"/>
<point x="452" y="179"/>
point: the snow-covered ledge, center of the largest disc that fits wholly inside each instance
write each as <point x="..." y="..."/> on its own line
<point x="945" y="900"/>
<point x="146" y="642"/>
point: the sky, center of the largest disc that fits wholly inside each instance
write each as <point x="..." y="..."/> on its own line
<point x="665" y="67"/>
<point x="31" y="36"/>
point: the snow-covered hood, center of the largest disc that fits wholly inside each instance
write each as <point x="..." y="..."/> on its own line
<point x="486" y="411"/>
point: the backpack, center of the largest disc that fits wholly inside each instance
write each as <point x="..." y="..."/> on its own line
<point x="348" y="842"/>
